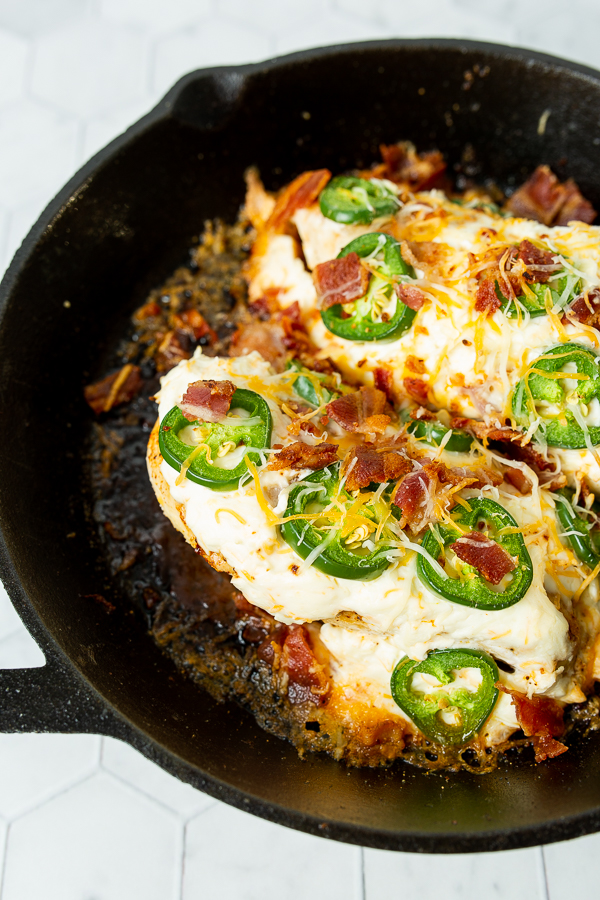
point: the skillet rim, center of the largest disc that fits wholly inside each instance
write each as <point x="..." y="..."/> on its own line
<point x="63" y="672"/>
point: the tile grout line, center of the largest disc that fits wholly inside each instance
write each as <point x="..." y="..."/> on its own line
<point x="543" y="874"/>
<point x="4" y="861"/>
<point x="182" y="873"/>
<point x="363" y="888"/>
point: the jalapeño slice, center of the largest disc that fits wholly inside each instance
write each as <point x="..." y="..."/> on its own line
<point x="559" y="393"/>
<point x="379" y="314"/>
<point x="582" y="535"/>
<point x="468" y="587"/>
<point x="446" y="716"/>
<point x="357" y="201"/>
<point x="216" y="450"/>
<point x="432" y="431"/>
<point x="341" y="556"/>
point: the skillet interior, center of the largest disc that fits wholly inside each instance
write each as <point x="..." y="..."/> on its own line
<point x="116" y="230"/>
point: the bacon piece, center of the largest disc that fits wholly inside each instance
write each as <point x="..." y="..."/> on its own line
<point x="540" y="263"/>
<point x="410" y="296"/>
<point x="340" y="280"/>
<point x="479" y="476"/>
<point x="172" y="351"/>
<point x="308" y="682"/>
<point x="383" y="379"/>
<point x="417" y="171"/>
<point x="487" y="301"/>
<point x="518" y="480"/>
<point x="276" y="340"/>
<point x="546" y="200"/>
<point x="485" y="555"/>
<point x="120" y="387"/>
<point x="416" y="389"/>
<point x="301" y="192"/>
<point x="302" y="456"/>
<point x="360" y="411"/>
<point x="366" y="464"/>
<point x="193" y="323"/>
<point x="208" y="401"/>
<point x="575" y="207"/>
<point x="540" y="718"/>
<point x="585" y="308"/>
<point x="414" y="497"/>
<point x="512" y="441"/>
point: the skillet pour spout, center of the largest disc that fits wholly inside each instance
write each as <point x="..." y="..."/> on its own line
<point x="119" y="226"/>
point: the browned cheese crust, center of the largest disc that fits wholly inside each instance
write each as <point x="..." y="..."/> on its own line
<point x="175" y="512"/>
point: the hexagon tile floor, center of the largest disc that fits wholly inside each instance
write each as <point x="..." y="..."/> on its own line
<point x="87" y="818"/>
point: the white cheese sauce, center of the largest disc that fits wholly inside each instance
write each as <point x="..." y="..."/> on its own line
<point x="396" y="610"/>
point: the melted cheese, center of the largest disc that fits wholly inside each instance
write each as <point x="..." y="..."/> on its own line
<point x="397" y="610"/>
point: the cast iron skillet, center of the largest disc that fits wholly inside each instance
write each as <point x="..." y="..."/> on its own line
<point x="118" y="228"/>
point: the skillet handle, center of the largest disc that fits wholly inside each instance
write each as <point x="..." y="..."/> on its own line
<point x="53" y="698"/>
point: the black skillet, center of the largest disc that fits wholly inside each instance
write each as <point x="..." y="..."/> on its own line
<point x="118" y="228"/>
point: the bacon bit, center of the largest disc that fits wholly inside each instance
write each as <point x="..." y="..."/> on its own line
<point x="585" y="309"/>
<point x="479" y="476"/>
<point x="538" y="262"/>
<point x="383" y="379"/>
<point x="413" y="497"/>
<point x="171" y="352"/>
<point x="487" y="300"/>
<point x="301" y="192"/>
<point x="485" y="555"/>
<point x="302" y="456"/>
<point x="512" y="441"/>
<point x="366" y="464"/>
<point x="147" y="311"/>
<point x="546" y="200"/>
<point x="431" y="256"/>
<point x="340" y="281"/>
<point x="410" y="296"/>
<point x="192" y="323"/>
<point x="308" y="682"/>
<point x="416" y="389"/>
<point x="518" y="480"/>
<point x="360" y="411"/>
<point x="120" y="387"/>
<point x="416" y="365"/>
<point x="540" y="718"/>
<point x="267" y="305"/>
<point x="208" y="401"/>
<point x="416" y="171"/>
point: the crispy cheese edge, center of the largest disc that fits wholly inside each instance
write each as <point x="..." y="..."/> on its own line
<point x="175" y="512"/>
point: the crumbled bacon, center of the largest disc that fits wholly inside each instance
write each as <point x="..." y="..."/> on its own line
<point x="360" y="411"/>
<point x="416" y="389"/>
<point x="277" y="339"/>
<point x="540" y="718"/>
<point x="485" y="555"/>
<point x="366" y="464"/>
<point x="340" y="280"/>
<point x="546" y="200"/>
<point x="193" y="323"/>
<point x="410" y="296"/>
<point x="172" y="350"/>
<point x="519" y="480"/>
<point x="418" y="494"/>
<point x="431" y="256"/>
<point x="487" y="300"/>
<point x="540" y="263"/>
<point x="301" y="192"/>
<point x="308" y="682"/>
<point x="585" y="309"/>
<point x="512" y="441"/>
<point x="479" y="476"/>
<point x="207" y="401"/>
<point x="383" y="380"/>
<point x="416" y="171"/>
<point x="120" y="387"/>
<point x="302" y="456"/>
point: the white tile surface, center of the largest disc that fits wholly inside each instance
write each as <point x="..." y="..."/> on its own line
<point x="130" y="766"/>
<point x="36" y="767"/>
<point x="73" y="74"/>
<point x="495" y="876"/>
<point x="565" y="859"/>
<point x="269" y="861"/>
<point x="97" y="841"/>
